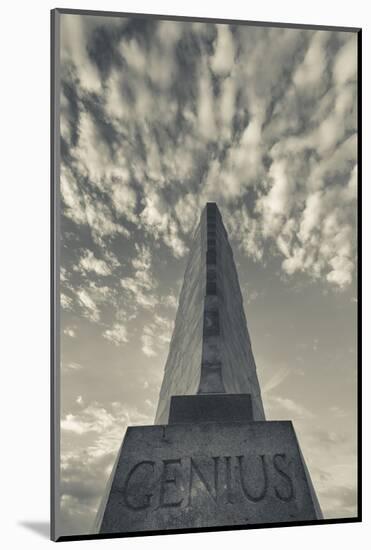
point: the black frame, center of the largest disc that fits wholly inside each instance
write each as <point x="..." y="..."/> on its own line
<point x="54" y="265"/>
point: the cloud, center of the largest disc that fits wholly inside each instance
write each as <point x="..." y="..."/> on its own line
<point x="342" y="269"/>
<point x="148" y="346"/>
<point x="339" y="502"/>
<point x="246" y="230"/>
<point x="187" y="210"/>
<point x="311" y="215"/>
<point x="205" y="105"/>
<point x="156" y="335"/>
<point x="157" y="221"/>
<point x="70" y="331"/>
<point x="276" y="380"/>
<point x="276" y="205"/>
<point x="107" y="422"/>
<point x="92" y="419"/>
<point x="140" y="287"/>
<point x="345" y="65"/>
<point x="170" y="300"/>
<point x="226" y="108"/>
<point x="89" y="298"/>
<point x="89" y="306"/>
<point x="223" y="58"/>
<point x="140" y="292"/>
<point x="288" y="406"/>
<point x="88" y="262"/>
<point x="280" y="135"/>
<point x="117" y="334"/>
<point x="310" y="74"/>
<point x="71" y="366"/>
<point x="165" y="328"/>
<point x="84" y="209"/>
<point x="328" y="438"/>
<point x="338" y="411"/>
<point x="250" y="294"/>
<point x="74" y="50"/>
<point x="66" y="301"/>
<point x="134" y="55"/>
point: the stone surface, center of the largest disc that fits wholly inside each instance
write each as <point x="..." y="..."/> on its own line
<point x="205" y="475"/>
<point x="210" y="350"/>
<point x="210" y="408"/>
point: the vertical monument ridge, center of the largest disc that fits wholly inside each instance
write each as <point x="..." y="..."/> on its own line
<point x="210" y="350"/>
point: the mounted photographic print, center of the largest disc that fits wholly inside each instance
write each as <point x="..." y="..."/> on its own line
<point x="204" y="274"/>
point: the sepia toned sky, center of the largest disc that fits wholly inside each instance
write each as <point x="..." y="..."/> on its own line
<point x="157" y="118"/>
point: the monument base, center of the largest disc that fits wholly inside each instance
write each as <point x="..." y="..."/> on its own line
<point x="207" y="474"/>
<point x="214" y="407"/>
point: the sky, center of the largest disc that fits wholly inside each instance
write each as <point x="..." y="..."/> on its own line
<point x="156" y="119"/>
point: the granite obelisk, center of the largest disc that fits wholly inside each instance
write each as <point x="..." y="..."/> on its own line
<point x="211" y="459"/>
<point x="210" y="351"/>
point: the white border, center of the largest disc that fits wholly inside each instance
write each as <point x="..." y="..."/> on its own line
<point x="25" y="265"/>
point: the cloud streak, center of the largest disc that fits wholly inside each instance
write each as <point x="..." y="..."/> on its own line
<point x="266" y="145"/>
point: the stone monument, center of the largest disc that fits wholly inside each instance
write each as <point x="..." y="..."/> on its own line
<point x="211" y="459"/>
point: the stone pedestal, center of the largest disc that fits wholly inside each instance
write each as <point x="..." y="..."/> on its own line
<point x="198" y="473"/>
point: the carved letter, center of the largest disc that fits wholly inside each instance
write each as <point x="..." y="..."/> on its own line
<point x="228" y="473"/>
<point x="165" y="479"/>
<point x="195" y="469"/>
<point x="286" y="477"/>
<point x="263" y="492"/>
<point x="147" y="496"/>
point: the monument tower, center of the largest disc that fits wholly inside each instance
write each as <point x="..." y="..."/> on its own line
<point x="211" y="459"/>
<point x="210" y="351"/>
